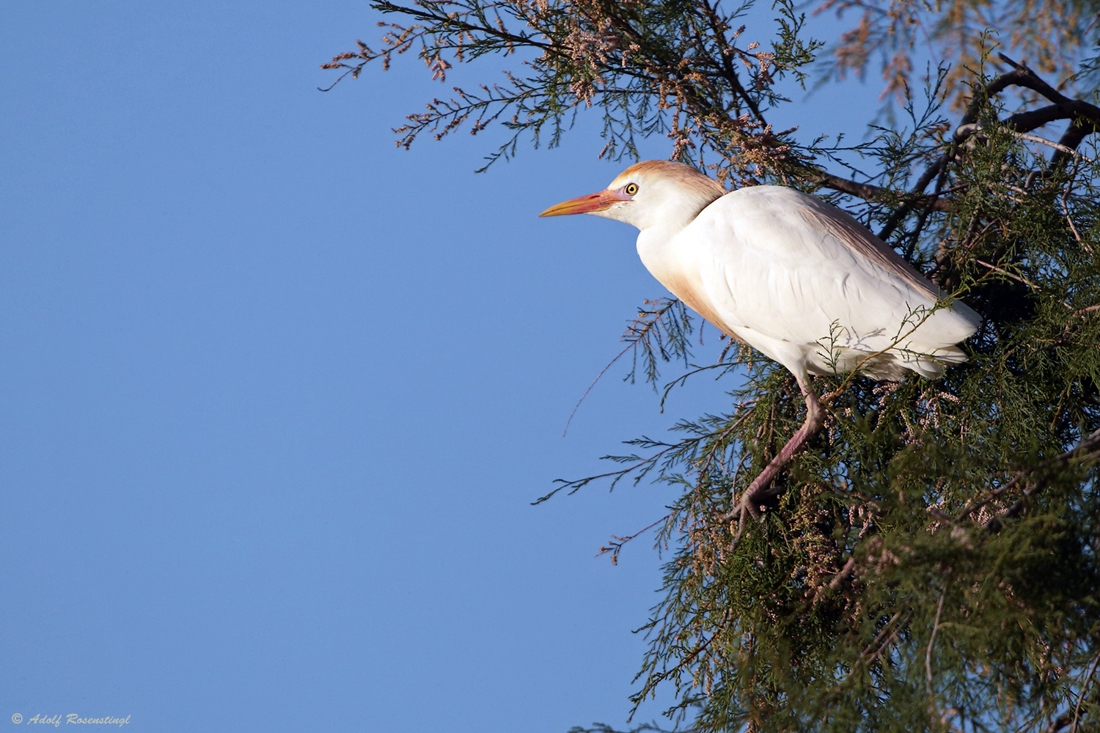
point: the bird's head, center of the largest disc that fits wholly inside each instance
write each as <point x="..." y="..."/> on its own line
<point x="654" y="193"/>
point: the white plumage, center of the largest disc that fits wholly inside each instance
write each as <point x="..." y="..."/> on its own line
<point x="799" y="280"/>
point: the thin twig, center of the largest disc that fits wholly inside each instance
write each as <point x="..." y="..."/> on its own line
<point x="1051" y="143"/>
<point x="931" y="643"/>
<point x="617" y="545"/>
<point x="1007" y="274"/>
<point x="872" y="651"/>
<point x="1084" y="689"/>
<point x="593" y="384"/>
<point x="848" y="569"/>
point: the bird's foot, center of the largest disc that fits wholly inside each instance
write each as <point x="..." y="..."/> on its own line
<point x="753" y="501"/>
<point x="759" y="492"/>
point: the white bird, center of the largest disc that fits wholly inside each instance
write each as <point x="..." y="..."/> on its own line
<point x="795" y="278"/>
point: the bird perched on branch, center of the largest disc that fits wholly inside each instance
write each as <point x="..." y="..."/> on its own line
<point x="795" y="278"/>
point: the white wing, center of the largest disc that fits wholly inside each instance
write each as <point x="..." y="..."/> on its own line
<point x="783" y="268"/>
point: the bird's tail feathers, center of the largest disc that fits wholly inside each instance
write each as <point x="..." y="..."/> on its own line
<point x="929" y="365"/>
<point x="892" y="365"/>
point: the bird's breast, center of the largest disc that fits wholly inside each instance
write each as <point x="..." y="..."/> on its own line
<point x="691" y="295"/>
<point x="681" y="278"/>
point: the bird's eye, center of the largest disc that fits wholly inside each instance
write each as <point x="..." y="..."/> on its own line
<point x="631" y="189"/>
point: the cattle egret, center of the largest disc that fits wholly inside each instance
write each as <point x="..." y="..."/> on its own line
<point x="795" y="278"/>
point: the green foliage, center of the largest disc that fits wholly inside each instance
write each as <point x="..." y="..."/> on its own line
<point x="1052" y="33"/>
<point x="677" y="68"/>
<point x="931" y="562"/>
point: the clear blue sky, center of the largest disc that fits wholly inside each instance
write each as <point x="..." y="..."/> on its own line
<point x="277" y="395"/>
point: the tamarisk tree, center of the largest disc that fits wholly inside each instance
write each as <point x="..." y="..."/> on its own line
<point x="930" y="562"/>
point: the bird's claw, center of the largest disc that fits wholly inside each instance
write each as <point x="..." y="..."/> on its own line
<point x="751" y="504"/>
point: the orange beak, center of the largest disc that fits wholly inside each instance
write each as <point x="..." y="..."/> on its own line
<point x="586" y="204"/>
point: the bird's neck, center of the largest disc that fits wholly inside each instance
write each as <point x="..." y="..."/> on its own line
<point x="659" y="244"/>
<point x="653" y="240"/>
<point x="658" y="252"/>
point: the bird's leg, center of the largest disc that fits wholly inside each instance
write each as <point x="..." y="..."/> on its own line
<point x="815" y="417"/>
